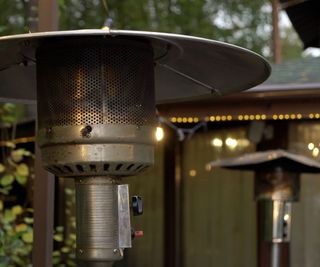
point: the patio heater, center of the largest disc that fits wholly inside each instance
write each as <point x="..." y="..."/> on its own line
<point x="96" y="96"/>
<point x="276" y="187"/>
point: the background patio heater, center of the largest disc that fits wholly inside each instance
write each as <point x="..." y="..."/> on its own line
<point x="96" y="95"/>
<point x="276" y="186"/>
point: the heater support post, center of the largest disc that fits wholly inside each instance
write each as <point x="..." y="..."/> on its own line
<point x="43" y="204"/>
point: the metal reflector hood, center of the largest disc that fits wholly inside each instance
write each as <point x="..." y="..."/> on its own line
<point x="185" y="67"/>
<point x="269" y="160"/>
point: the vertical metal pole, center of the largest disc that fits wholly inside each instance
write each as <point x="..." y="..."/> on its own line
<point x="275" y="255"/>
<point x="43" y="201"/>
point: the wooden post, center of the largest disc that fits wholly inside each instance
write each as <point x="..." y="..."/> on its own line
<point x="48" y="15"/>
<point x="43" y="201"/>
<point x="276" y="39"/>
<point x="173" y="199"/>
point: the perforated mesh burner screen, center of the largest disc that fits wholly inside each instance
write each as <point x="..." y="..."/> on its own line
<point x="95" y="81"/>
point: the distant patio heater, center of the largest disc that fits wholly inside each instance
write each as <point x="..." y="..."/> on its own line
<point x="276" y="187"/>
<point x="96" y="95"/>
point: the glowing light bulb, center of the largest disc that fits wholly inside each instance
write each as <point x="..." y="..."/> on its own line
<point x="232" y="143"/>
<point x="159" y="134"/>
<point x="311" y="146"/>
<point x="217" y="142"/>
<point x="315" y="152"/>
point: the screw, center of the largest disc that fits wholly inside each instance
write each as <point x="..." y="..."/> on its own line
<point x="49" y="132"/>
<point x="85" y="132"/>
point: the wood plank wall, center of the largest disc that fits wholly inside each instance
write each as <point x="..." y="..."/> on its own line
<point x="148" y="251"/>
<point x="219" y="210"/>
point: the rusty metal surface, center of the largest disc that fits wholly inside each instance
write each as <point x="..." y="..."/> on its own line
<point x="185" y="66"/>
<point x="268" y="160"/>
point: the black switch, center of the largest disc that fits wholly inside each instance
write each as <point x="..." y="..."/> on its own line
<point x="137" y="206"/>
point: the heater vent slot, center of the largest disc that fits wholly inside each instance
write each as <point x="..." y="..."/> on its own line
<point x="95" y="81"/>
<point x="121" y="169"/>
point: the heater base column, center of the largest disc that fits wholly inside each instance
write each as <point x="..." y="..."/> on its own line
<point x="103" y="220"/>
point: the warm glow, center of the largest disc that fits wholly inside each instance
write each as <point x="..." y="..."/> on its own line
<point x="232" y="143"/>
<point x="240" y="117"/>
<point x="159" y="134"/>
<point x="192" y="173"/>
<point x="315" y="152"/>
<point x="311" y="146"/>
<point x="286" y="217"/>
<point x="174" y="119"/>
<point x="243" y="142"/>
<point x="263" y="117"/>
<point x="217" y="142"/>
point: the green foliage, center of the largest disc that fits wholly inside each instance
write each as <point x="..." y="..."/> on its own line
<point x="246" y="22"/>
<point x="16" y="231"/>
<point x="65" y="236"/>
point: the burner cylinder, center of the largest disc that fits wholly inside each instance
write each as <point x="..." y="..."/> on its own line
<point x="96" y="106"/>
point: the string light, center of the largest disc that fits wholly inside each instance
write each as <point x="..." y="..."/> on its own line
<point x="245" y="117"/>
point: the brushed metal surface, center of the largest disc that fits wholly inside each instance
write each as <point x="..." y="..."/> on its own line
<point x="103" y="219"/>
<point x="269" y="159"/>
<point x="185" y="66"/>
<point x="109" y="149"/>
